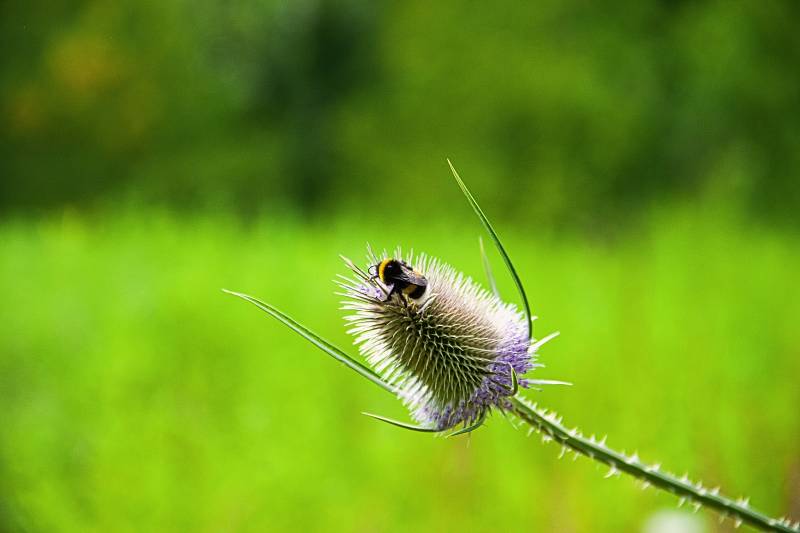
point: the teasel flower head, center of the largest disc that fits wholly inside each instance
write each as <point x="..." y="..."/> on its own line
<point x="452" y="354"/>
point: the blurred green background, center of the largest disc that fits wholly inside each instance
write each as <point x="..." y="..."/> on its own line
<point x="641" y="159"/>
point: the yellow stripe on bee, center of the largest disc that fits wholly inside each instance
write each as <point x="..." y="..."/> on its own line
<point x="381" y="268"/>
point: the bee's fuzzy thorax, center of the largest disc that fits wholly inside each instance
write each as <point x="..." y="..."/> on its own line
<point x="450" y="353"/>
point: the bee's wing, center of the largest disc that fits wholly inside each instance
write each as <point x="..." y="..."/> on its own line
<point x="415" y="278"/>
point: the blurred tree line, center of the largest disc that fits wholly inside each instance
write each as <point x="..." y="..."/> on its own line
<point x="567" y="111"/>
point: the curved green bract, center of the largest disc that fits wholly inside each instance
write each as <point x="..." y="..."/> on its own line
<point x="471" y="428"/>
<point x="500" y="248"/>
<point x="514" y="381"/>
<point x="399" y="424"/>
<point x="316" y="340"/>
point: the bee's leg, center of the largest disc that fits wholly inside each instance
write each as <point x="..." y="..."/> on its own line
<point x="388" y="294"/>
<point x="401" y="424"/>
<point x="403" y="298"/>
<point x="471" y="428"/>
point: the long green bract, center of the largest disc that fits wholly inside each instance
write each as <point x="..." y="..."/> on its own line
<point x="316" y="340"/>
<point x="500" y="248"/>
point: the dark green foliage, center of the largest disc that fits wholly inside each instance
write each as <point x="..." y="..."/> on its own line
<point x="578" y="112"/>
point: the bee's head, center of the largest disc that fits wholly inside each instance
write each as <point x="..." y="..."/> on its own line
<point x="387" y="270"/>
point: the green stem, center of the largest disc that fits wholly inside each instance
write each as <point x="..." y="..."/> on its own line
<point x="549" y="425"/>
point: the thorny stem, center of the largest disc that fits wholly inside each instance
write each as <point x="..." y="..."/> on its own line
<point x="550" y="426"/>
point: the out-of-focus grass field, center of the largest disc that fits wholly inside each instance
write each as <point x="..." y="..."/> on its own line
<point x="137" y="396"/>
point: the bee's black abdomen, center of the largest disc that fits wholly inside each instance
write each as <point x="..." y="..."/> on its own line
<point x="418" y="291"/>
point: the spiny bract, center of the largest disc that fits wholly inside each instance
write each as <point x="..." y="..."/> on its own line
<point x="449" y="354"/>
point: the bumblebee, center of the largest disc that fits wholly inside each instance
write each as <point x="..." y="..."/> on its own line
<point x="400" y="278"/>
